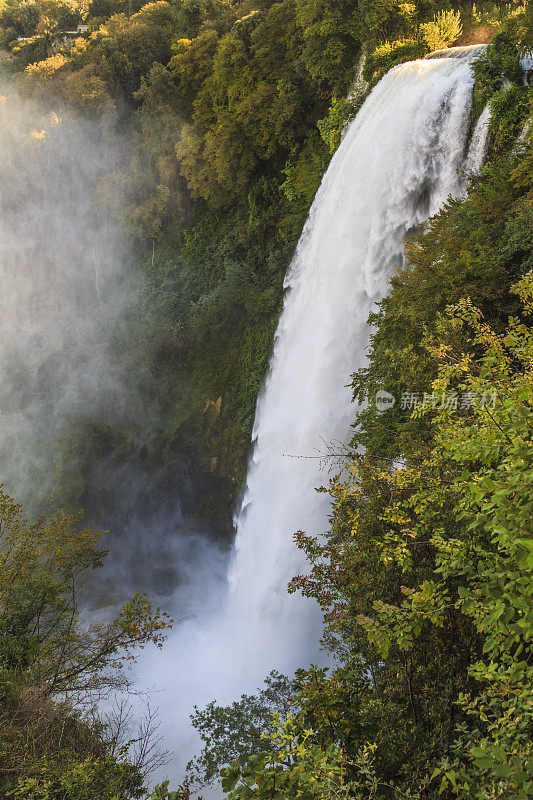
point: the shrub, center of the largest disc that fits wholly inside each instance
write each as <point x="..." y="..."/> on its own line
<point x="389" y="54"/>
<point x="442" y="31"/>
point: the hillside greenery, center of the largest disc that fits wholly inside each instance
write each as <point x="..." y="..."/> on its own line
<point x="233" y="111"/>
<point x="55" y="667"/>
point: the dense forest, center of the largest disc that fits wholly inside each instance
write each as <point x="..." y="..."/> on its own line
<point x="232" y="110"/>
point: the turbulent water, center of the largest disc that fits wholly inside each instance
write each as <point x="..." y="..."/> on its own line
<point x="401" y="158"/>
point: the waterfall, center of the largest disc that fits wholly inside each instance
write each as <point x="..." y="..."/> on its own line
<point x="396" y="166"/>
<point x="399" y="161"/>
<point x="478" y="143"/>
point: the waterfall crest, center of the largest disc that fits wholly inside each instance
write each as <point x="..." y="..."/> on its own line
<point x="399" y="161"/>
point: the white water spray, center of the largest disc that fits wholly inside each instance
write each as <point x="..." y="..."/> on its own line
<point x="399" y="161"/>
<point x="478" y="143"/>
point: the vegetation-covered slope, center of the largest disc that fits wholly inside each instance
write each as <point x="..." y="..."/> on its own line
<point x="55" y="668"/>
<point x="233" y="111"/>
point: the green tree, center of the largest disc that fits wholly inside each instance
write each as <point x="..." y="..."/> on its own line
<point x="481" y="462"/>
<point x="237" y="731"/>
<point x="54" y="665"/>
<point x="293" y="768"/>
<point x="443" y="30"/>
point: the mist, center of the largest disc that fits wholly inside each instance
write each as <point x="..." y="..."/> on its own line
<point x="69" y="308"/>
<point x="64" y="285"/>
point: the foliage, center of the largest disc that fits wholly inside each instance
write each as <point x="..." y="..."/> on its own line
<point x="304" y="174"/>
<point x="239" y="730"/>
<point x="54" y="665"/>
<point x="389" y="54"/>
<point x="90" y="779"/>
<point x="162" y="792"/>
<point x="215" y="296"/>
<point x="481" y="464"/>
<point x="385" y="19"/>
<point x="495" y="68"/>
<point x="432" y="559"/>
<point x="510" y="109"/>
<point x="40" y="582"/>
<point x="293" y="767"/>
<point x="443" y="30"/>
<point x="333" y="125"/>
<point x="32" y="18"/>
<point x="235" y="134"/>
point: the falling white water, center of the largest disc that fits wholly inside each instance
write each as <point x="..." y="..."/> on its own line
<point x="397" y="164"/>
<point x="399" y="161"/>
<point x="478" y="142"/>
